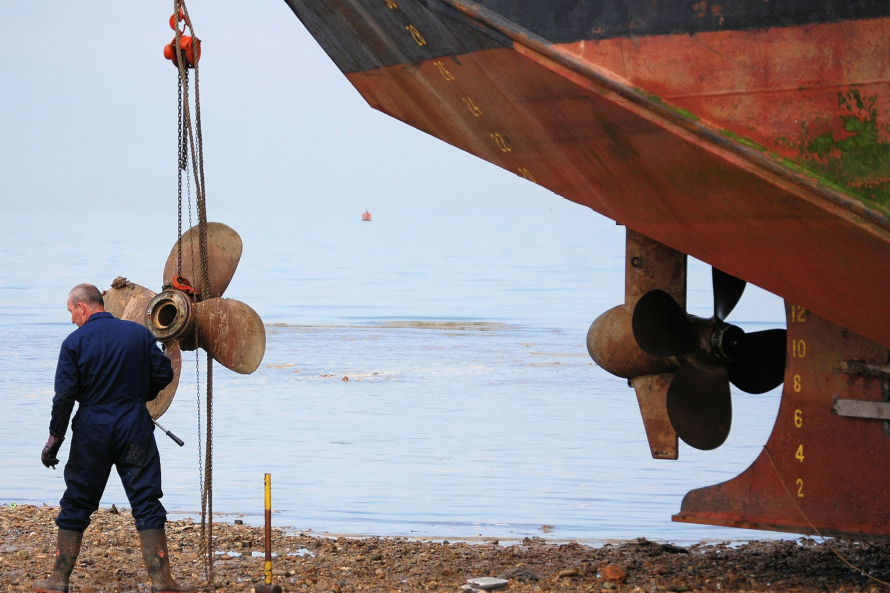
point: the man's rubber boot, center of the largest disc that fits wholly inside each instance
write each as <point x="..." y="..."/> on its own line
<point x="67" y="550"/>
<point x="157" y="562"/>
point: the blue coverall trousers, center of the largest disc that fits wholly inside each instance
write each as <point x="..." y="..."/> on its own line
<point x="103" y="439"/>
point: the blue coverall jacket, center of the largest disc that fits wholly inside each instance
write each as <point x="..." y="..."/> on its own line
<point x="111" y="368"/>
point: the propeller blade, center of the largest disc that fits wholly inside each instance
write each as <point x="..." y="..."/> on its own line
<point x="761" y="364"/>
<point x="223" y="254"/>
<point x="661" y="327"/>
<point x="699" y="405"/>
<point x="129" y="301"/>
<point x="232" y="333"/>
<point x="727" y="292"/>
<point x="159" y="405"/>
<point x="126" y="300"/>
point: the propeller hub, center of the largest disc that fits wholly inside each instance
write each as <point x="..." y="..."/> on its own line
<point x="726" y="341"/>
<point x="169" y="316"/>
<point x="611" y="344"/>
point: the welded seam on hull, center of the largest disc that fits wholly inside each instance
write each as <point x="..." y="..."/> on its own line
<point x="668" y="112"/>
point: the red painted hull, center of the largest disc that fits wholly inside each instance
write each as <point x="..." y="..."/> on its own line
<point x="819" y="472"/>
<point x="778" y="87"/>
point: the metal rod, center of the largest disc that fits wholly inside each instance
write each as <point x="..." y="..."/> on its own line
<point x="858" y="408"/>
<point x="175" y="438"/>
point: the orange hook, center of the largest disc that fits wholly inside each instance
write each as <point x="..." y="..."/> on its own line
<point x="180" y="283"/>
<point x="175" y="21"/>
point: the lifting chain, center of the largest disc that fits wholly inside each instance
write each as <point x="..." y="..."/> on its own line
<point x="185" y="51"/>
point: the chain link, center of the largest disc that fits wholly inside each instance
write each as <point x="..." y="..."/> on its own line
<point x="202" y="547"/>
<point x="180" y="149"/>
<point x="201" y="203"/>
<point x="198" y="388"/>
<point x="187" y="141"/>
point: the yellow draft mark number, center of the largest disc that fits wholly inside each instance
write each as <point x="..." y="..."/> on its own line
<point x="392" y="5"/>
<point x="798" y="348"/>
<point x="799" y="454"/>
<point x="797" y="314"/>
<point x="527" y="174"/>
<point x="474" y="109"/>
<point x="798" y="418"/>
<point x="799" y="488"/>
<point x="502" y="144"/>
<point x="796" y="383"/>
<point x="443" y="70"/>
<point x="416" y="34"/>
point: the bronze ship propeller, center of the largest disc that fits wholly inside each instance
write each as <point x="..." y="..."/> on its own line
<point x="229" y="331"/>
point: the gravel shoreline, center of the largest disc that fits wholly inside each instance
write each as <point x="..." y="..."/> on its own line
<point x="111" y="561"/>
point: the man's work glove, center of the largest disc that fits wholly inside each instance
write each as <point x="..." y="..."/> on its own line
<point x="50" y="450"/>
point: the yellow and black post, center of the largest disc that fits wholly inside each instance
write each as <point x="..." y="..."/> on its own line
<point x="267" y="569"/>
<point x="267" y="586"/>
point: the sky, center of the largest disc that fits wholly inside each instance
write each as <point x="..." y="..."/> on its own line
<point x="89" y="120"/>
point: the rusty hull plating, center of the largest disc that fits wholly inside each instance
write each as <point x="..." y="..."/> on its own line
<point x="834" y="467"/>
<point x="753" y="136"/>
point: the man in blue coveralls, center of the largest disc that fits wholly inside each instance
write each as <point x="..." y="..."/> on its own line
<point x="111" y="368"/>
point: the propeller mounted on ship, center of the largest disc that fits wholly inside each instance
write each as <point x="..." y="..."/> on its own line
<point x="181" y="318"/>
<point x="681" y="365"/>
<point x="713" y="354"/>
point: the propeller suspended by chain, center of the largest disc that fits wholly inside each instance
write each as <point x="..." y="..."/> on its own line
<point x="713" y="354"/>
<point x="228" y="330"/>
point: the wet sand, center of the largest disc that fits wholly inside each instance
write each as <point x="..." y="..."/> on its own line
<point x="111" y="561"/>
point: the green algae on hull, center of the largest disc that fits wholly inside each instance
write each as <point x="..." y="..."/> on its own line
<point x="797" y="168"/>
<point x="857" y="165"/>
<point x="859" y="161"/>
<point x="678" y="110"/>
<point x="744" y="141"/>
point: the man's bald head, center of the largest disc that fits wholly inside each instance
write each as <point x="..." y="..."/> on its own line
<point x="86" y="293"/>
<point x="83" y="301"/>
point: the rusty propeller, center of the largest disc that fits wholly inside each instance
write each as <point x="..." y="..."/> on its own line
<point x="713" y="354"/>
<point x="228" y="330"/>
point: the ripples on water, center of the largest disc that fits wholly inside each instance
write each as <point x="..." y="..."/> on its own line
<point x="472" y="407"/>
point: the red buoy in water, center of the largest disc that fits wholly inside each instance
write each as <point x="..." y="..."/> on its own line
<point x="366" y="217"/>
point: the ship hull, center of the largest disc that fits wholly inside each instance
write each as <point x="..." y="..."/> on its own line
<point x="753" y="136"/>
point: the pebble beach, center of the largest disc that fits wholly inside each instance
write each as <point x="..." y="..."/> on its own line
<point x="111" y="561"/>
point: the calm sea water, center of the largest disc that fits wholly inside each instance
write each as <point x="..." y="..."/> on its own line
<point x="472" y="407"/>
